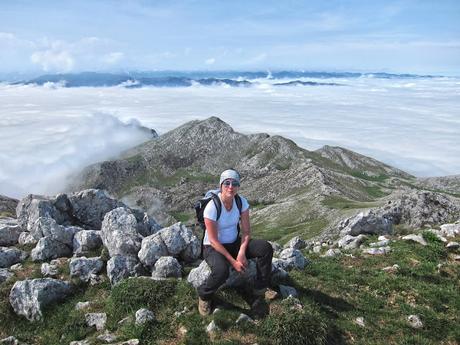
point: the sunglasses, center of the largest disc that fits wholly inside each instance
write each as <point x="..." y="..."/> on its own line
<point x="227" y="183"/>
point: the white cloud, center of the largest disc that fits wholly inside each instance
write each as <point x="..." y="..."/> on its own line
<point x="210" y="61"/>
<point x="53" y="60"/>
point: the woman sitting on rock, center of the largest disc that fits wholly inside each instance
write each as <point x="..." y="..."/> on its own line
<point x="224" y="248"/>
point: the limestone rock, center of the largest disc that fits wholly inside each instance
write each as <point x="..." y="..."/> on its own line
<point x="5" y="275"/>
<point x="146" y="225"/>
<point x="450" y="230"/>
<point x="28" y="297"/>
<point x="381" y="243"/>
<point x="367" y="222"/>
<point x="9" y="231"/>
<point x="181" y="242"/>
<point x="91" y="205"/>
<point x="152" y="248"/>
<point x="97" y="320"/>
<point x="48" y="248"/>
<point x="26" y="238"/>
<point x="10" y="256"/>
<point x="107" y="337"/>
<point x="48" y="227"/>
<point x="276" y="248"/>
<point x="243" y="318"/>
<point x="167" y="267"/>
<point x="293" y="258"/>
<point x="82" y="305"/>
<point x="377" y="251"/>
<point x="32" y="207"/>
<point x="212" y="328"/>
<point x="295" y="243"/>
<point x="119" y="232"/>
<point x="453" y="245"/>
<point x="415" y="238"/>
<point x="143" y="316"/>
<point x="414" y="321"/>
<point x="49" y="270"/>
<point x="11" y="341"/>
<point x="86" y="241"/>
<point x="330" y="253"/>
<point x="351" y="242"/>
<point x="121" y="267"/>
<point x="83" y="267"/>
<point x="360" y="321"/>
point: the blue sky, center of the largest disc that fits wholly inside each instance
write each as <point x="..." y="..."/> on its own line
<point x="69" y="36"/>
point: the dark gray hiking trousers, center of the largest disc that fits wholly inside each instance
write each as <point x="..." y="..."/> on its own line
<point x="260" y="250"/>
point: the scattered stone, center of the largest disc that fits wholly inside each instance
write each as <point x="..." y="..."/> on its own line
<point x="107" y="337"/>
<point x="10" y="256"/>
<point x="96" y="319"/>
<point x="10" y="341"/>
<point x="121" y="267"/>
<point x="95" y="279"/>
<point x="453" y="245"/>
<point x="450" y="230"/>
<point x="5" y="275"/>
<point x="330" y="253"/>
<point x="119" y="232"/>
<point x="82" y="305"/>
<point x="49" y="248"/>
<point x="167" y="267"/>
<point x="414" y="321"/>
<point x="143" y="316"/>
<point x="295" y="243"/>
<point x="179" y="313"/>
<point x="80" y="342"/>
<point x="457" y="258"/>
<point x="49" y="270"/>
<point x="243" y="318"/>
<point x="27" y="297"/>
<point x="377" y="251"/>
<point x="212" y="328"/>
<point x="16" y="267"/>
<point x="351" y="242"/>
<point x="86" y="241"/>
<point x="276" y="248"/>
<point x="287" y="291"/>
<point x="360" y="321"/>
<point x="317" y="249"/>
<point x="9" y="231"/>
<point x="381" y="243"/>
<point x="129" y="342"/>
<point x="391" y="269"/>
<point x="415" y="238"/>
<point x="82" y="268"/>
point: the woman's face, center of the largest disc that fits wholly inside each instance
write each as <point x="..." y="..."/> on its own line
<point x="229" y="187"/>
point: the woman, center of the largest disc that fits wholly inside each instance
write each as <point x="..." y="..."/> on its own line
<point x="224" y="248"/>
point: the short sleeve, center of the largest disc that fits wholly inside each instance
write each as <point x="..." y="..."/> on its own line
<point x="244" y="204"/>
<point x="210" y="211"/>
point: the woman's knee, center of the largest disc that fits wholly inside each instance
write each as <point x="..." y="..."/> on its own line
<point x="220" y="274"/>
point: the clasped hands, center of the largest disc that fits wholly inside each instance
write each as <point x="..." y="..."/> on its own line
<point x="241" y="263"/>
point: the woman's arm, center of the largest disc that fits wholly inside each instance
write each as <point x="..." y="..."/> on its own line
<point x="245" y="237"/>
<point x="211" y="228"/>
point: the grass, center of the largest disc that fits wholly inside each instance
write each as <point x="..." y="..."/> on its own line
<point x="333" y="292"/>
<point x="364" y="176"/>
<point x="340" y="203"/>
<point x="7" y="214"/>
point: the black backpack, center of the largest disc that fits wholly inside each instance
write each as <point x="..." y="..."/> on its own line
<point x="200" y="205"/>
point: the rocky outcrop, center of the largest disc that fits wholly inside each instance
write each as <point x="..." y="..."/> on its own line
<point x="28" y="297"/>
<point x="367" y="222"/>
<point x="9" y="231"/>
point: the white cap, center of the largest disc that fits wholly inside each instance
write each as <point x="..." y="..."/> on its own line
<point x="230" y="173"/>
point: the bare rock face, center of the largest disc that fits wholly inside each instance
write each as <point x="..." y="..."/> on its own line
<point x="28" y="297"/>
<point x="10" y="256"/>
<point x="85" y="241"/>
<point x="90" y="206"/>
<point x="167" y="267"/>
<point x="48" y="248"/>
<point x="9" y="231"/>
<point x="292" y="258"/>
<point x="367" y="222"/>
<point x="119" y="232"/>
<point x="83" y="268"/>
<point x="8" y="206"/>
<point x="121" y="267"/>
<point x="152" y="248"/>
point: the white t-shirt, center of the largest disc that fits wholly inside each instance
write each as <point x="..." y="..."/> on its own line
<point x="227" y="231"/>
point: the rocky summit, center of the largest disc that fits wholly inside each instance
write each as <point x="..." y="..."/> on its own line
<point x="292" y="191"/>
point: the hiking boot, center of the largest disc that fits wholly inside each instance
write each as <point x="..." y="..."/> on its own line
<point x="204" y="307"/>
<point x="267" y="293"/>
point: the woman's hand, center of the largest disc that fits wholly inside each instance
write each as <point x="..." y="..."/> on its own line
<point x="238" y="266"/>
<point x="242" y="258"/>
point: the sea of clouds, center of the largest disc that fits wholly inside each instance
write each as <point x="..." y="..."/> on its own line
<point x="49" y="132"/>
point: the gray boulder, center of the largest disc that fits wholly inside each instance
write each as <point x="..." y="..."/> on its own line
<point x="143" y="316"/>
<point x="414" y="321"/>
<point x="450" y="230"/>
<point x="292" y="258"/>
<point x="48" y="248"/>
<point x="377" y="251"/>
<point x="415" y="238"/>
<point x="121" y="267"/>
<point x="47" y="227"/>
<point x="333" y="252"/>
<point x="180" y="242"/>
<point x="5" y="275"/>
<point x="97" y="320"/>
<point x="295" y="243"/>
<point x="351" y="242"/>
<point x="90" y="206"/>
<point x="49" y="270"/>
<point x="146" y="225"/>
<point x="83" y="268"/>
<point x="367" y="222"/>
<point x="167" y="267"/>
<point x="152" y="248"/>
<point x="26" y="238"/>
<point x="32" y="207"/>
<point x="28" y="297"/>
<point x="119" y="232"/>
<point x="200" y="274"/>
<point x="10" y="256"/>
<point x="86" y="241"/>
<point x="9" y="231"/>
